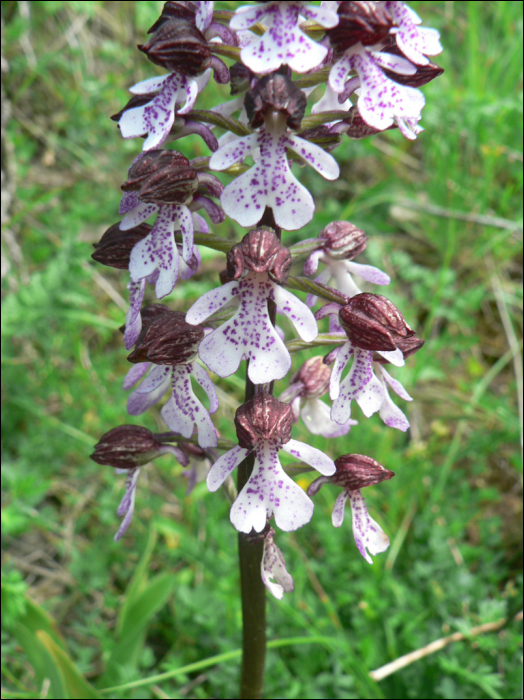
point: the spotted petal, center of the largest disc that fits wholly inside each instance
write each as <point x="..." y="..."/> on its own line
<point x="273" y="569"/>
<point x="224" y="465"/>
<point x="270" y="491"/>
<point x="367" y="533"/>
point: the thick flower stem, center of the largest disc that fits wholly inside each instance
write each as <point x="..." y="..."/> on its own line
<point x="253" y="590"/>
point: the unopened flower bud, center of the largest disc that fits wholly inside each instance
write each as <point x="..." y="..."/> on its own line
<point x="343" y="240"/>
<point x="314" y="376"/>
<point x="175" y="10"/>
<point x="353" y="472"/>
<point x="115" y="246"/>
<point x="149" y="163"/>
<point x="263" y="418"/>
<point x="275" y="93"/>
<point x="148" y="313"/>
<point x="178" y="46"/>
<point x="167" y="340"/>
<point x="424" y="74"/>
<point x="372" y="322"/>
<point x="126" y="447"/>
<point x="365" y="22"/>
<point x="259" y="251"/>
<point x="409" y="346"/>
<point x="162" y="177"/>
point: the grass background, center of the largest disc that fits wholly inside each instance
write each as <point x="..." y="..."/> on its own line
<point x="444" y="218"/>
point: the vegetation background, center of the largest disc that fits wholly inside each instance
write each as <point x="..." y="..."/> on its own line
<point x="81" y="613"/>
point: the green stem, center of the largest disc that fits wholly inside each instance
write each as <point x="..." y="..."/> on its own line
<point x="253" y="590"/>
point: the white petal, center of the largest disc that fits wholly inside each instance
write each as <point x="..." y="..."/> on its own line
<point x="135" y="374"/>
<point x="248" y="15"/>
<point x="224" y="465"/>
<point x="310" y="455"/>
<point x="273" y="569"/>
<point x="233" y="152"/>
<point x="396" y="357"/>
<point x="368" y="534"/>
<point x="396" y="386"/>
<point x="397" y="64"/>
<point x="337" y="516"/>
<point x="298" y="313"/>
<point x="157" y="251"/>
<point x="149" y="85"/>
<point x="316" y="157"/>
<point x="157" y="376"/>
<point x="316" y="417"/>
<point x="392" y="416"/>
<point x="368" y="273"/>
<point x="343" y="355"/>
<point x="371" y="396"/>
<point x="338" y="74"/>
<point x="137" y="215"/>
<point x="325" y="15"/>
<point x="353" y="386"/>
<point x="184" y="221"/>
<point x="202" y="377"/>
<point x="210" y="302"/>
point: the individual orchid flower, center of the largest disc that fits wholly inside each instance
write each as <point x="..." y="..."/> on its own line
<point x="382" y="101"/>
<point x="257" y="266"/>
<point x="127" y="448"/>
<point x="353" y="473"/>
<point x="372" y="324"/>
<point x="263" y="426"/>
<point x="274" y="105"/>
<point x="273" y="568"/>
<point x="304" y="392"/>
<point x="284" y="42"/>
<point x="167" y="347"/>
<point x="339" y="243"/>
<point x="164" y="182"/>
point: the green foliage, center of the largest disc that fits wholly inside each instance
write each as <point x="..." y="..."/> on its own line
<point x="160" y="612"/>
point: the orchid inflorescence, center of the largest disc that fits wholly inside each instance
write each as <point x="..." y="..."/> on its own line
<point x="376" y="51"/>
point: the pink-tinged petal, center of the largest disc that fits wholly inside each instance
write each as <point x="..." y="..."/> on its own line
<point x="311" y="264"/>
<point x="127" y="504"/>
<point x="325" y="15"/>
<point x="159" y="375"/>
<point x="129" y="201"/>
<point x="135" y="374"/>
<point x="248" y="15"/>
<point x="339" y="73"/>
<point x="342" y="358"/>
<point x="138" y="402"/>
<point x="187" y="271"/>
<point x="337" y="515"/>
<point x="145" y="87"/>
<point x="183" y="219"/>
<point x="297" y="312"/>
<point x="354" y="386"/>
<point x="317" y="419"/>
<point x="212" y="301"/>
<point x="367" y="533"/>
<point x="408" y="126"/>
<point x="396" y="357"/>
<point x="233" y="152"/>
<point x="137" y="215"/>
<point x="367" y="272"/>
<point x="224" y="465"/>
<point x="315" y="156"/>
<point x="202" y="377"/>
<point x="133" y="317"/>
<point x="158" y="251"/>
<point x="397" y="64"/>
<point x="395" y="385"/>
<point x="310" y="455"/>
<point x="273" y="569"/>
<point x="176" y="452"/>
<point x="184" y="410"/>
<point x="316" y="485"/>
<point x="199" y="223"/>
<point x="270" y="491"/>
<point x="392" y="416"/>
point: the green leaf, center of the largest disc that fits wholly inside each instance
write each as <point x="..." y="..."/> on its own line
<point x="41" y="660"/>
<point x="75" y="684"/>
